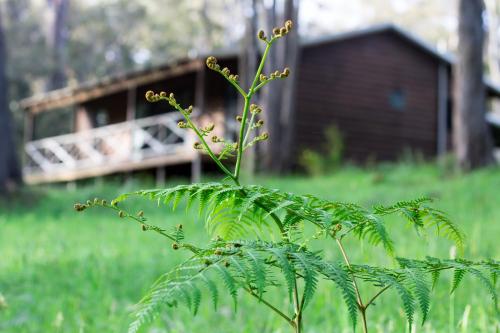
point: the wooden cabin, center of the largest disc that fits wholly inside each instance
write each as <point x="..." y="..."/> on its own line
<point x="386" y="90"/>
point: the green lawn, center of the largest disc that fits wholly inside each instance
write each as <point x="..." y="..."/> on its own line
<point x="62" y="271"/>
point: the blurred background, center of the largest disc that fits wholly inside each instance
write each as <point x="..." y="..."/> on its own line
<point x="387" y="100"/>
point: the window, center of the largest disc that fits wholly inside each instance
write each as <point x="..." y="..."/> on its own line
<point x="101" y="118"/>
<point x="397" y="99"/>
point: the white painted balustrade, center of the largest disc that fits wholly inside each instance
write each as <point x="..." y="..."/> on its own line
<point x="124" y="146"/>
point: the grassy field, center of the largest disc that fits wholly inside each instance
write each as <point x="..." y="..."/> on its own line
<point x="66" y="272"/>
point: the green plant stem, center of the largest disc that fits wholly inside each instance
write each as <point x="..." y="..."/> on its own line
<point x="376" y="295"/>
<point x="297" y="303"/>
<point x="363" y="320"/>
<point x="203" y="141"/>
<point x="240" y="138"/>
<point x="272" y="307"/>
<point x="361" y="306"/>
<point x="150" y="227"/>
<point x="246" y="107"/>
<point x="293" y="322"/>
<point x="260" y="85"/>
<point x="252" y="118"/>
<point x="236" y="85"/>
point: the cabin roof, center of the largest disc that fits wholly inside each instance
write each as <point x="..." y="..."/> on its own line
<point x="96" y="88"/>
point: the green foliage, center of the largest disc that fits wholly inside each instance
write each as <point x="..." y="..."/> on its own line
<point x="329" y="159"/>
<point x="265" y="238"/>
<point x="104" y="264"/>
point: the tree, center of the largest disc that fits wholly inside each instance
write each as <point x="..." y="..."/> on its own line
<point x="248" y="64"/>
<point x="271" y="98"/>
<point x="279" y="99"/>
<point x="493" y="9"/>
<point x="493" y="56"/>
<point x="58" y="40"/>
<point x="287" y="113"/>
<point x="472" y="142"/>
<point x="9" y="170"/>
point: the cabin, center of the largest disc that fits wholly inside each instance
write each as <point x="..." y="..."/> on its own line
<point x="386" y="90"/>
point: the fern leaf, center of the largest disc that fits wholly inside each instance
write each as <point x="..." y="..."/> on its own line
<point x="177" y="198"/>
<point x="281" y="206"/>
<point x="376" y="232"/>
<point x="286" y="267"/>
<point x="486" y="282"/>
<point x="309" y="275"/>
<point x="343" y="280"/>
<point x="434" y="276"/>
<point x="196" y="293"/>
<point x="229" y="282"/>
<point x="458" y="275"/>
<point x="248" y="202"/>
<point x="420" y="287"/>
<point x="258" y="271"/>
<point x="212" y="288"/>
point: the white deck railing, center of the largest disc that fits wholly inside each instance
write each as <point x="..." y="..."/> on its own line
<point x="131" y="141"/>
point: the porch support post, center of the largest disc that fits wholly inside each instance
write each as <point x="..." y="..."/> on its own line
<point x="196" y="165"/>
<point x="28" y="126"/>
<point x="160" y="176"/>
<point x="131" y="101"/>
<point x="82" y="121"/>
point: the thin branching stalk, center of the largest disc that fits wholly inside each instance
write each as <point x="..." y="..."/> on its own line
<point x="380" y="292"/>
<point x="361" y="306"/>
<point x="246" y="109"/>
<point x="203" y="141"/>
<point x="297" y="319"/>
<point x="270" y="306"/>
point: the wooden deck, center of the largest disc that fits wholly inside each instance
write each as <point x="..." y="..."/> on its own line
<point x="131" y="145"/>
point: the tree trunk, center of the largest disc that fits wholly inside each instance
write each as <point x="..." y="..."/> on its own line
<point x="472" y="142"/>
<point x="9" y="169"/>
<point x="271" y="97"/>
<point x="493" y="45"/>
<point x="58" y="40"/>
<point x="289" y="87"/>
<point x="278" y="97"/>
<point x="247" y="68"/>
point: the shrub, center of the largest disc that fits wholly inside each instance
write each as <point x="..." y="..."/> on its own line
<point x="242" y="257"/>
<point x="328" y="159"/>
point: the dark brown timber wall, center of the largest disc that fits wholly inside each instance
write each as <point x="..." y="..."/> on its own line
<point x="380" y="90"/>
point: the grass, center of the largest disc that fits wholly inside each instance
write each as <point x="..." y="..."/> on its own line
<point x="66" y="272"/>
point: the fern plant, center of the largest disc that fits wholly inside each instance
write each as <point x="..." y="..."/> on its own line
<point x="242" y="258"/>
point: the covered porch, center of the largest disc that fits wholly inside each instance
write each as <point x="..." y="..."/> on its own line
<point x="112" y="129"/>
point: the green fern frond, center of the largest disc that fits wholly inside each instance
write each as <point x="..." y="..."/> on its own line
<point x="237" y="212"/>
<point x="434" y="277"/>
<point x="229" y="282"/>
<point x="458" y="275"/>
<point x="438" y="219"/>
<point x="258" y="271"/>
<point x="383" y="277"/>
<point x="342" y="279"/>
<point x="309" y="274"/>
<point x="286" y="266"/>
<point x="420" y="286"/>
<point x="212" y="289"/>
<point x="372" y="228"/>
<point x="421" y="215"/>
<point x="227" y="221"/>
<point x="493" y="267"/>
<point x="486" y="282"/>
